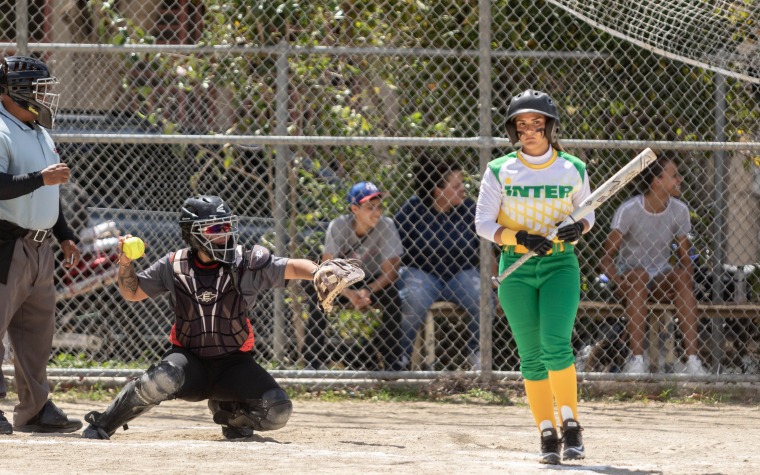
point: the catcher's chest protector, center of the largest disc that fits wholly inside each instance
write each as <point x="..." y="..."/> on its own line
<point x="210" y="316"/>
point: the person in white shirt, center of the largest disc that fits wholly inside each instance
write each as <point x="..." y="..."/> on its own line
<point x="637" y="256"/>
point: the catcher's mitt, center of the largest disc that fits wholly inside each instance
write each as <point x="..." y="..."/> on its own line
<point x="334" y="275"/>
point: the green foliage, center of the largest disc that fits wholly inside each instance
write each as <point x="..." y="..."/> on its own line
<point x="622" y="93"/>
<point x="81" y="360"/>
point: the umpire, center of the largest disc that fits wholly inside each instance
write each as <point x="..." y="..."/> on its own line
<point x="30" y="214"/>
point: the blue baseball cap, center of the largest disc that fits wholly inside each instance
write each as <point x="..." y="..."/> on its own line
<point x="363" y="191"/>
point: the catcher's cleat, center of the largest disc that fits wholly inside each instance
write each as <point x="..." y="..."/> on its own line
<point x="236" y="433"/>
<point x="50" y="419"/>
<point x="572" y="440"/>
<point x="6" y="428"/>
<point x="226" y="413"/>
<point x="549" y="447"/>
<point x="93" y="431"/>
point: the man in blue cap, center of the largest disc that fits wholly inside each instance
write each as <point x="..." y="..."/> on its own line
<point x="366" y="235"/>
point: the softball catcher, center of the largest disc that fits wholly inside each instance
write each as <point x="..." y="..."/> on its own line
<point x="523" y="195"/>
<point x="212" y="285"/>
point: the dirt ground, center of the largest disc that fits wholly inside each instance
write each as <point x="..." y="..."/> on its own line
<point x="415" y="437"/>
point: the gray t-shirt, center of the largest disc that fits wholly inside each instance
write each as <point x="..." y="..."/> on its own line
<point x="159" y="278"/>
<point x="377" y="246"/>
<point x="647" y="237"/>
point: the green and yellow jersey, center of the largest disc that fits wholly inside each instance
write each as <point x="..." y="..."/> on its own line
<point x="532" y="194"/>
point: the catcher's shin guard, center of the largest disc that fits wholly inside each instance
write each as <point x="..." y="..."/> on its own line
<point x="238" y="420"/>
<point x="159" y="383"/>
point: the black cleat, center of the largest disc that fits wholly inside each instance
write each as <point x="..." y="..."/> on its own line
<point x="94" y="431"/>
<point x="572" y="440"/>
<point x="549" y="447"/>
<point x="236" y="433"/>
<point x="6" y="428"/>
<point x="51" y="419"/>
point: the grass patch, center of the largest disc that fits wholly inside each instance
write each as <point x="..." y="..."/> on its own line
<point x="82" y="361"/>
<point x="450" y="389"/>
<point x="673" y="393"/>
<point x="458" y="389"/>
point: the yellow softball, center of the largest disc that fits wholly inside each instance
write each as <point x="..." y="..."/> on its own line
<point x="133" y="247"/>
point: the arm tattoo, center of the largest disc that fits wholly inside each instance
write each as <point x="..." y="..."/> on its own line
<point x="128" y="279"/>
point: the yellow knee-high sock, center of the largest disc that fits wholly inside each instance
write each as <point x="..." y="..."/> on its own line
<point x="564" y="386"/>
<point x="541" y="402"/>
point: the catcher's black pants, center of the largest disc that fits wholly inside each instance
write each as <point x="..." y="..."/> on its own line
<point x="362" y="354"/>
<point x="233" y="377"/>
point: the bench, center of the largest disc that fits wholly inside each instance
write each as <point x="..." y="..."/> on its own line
<point x="660" y="315"/>
<point x="423" y="354"/>
<point x="603" y="310"/>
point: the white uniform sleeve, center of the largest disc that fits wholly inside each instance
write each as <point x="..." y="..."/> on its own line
<point x="580" y="197"/>
<point x="489" y="204"/>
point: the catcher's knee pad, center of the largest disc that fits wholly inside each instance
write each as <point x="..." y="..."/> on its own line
<point x="277" y="407"/>
<point x="160" y="382"/>
<point x="271" y="412"/>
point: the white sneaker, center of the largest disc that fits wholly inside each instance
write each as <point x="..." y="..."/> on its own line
<point x="635" y="365"/>
<point x="694" y="367"/>
<point x="474" y="361"/>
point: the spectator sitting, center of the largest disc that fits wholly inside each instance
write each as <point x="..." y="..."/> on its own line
<point x="366" y="235"/>
<point x="642" y="231"/>
<point x="441" y="251"/>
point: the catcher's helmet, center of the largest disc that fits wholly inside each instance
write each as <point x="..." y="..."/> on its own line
<point x="27" y="81"/>
<point x="533" y="101"/>
<point x="204" y="221"/>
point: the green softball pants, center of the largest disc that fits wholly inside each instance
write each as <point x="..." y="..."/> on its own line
<point x="540" y="300"/>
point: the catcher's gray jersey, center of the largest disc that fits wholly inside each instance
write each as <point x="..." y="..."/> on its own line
<point x="159" y="278"/>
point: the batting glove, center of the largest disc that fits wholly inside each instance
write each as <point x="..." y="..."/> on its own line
<point x="538" y="244"/>
<point x="571" y="232"/>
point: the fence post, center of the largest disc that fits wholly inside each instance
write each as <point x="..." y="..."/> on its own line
<point x="486" y="247"/>
<point x="22" y="27"/>
<point x="280" y="193"/>
<point x="719" y="218"/>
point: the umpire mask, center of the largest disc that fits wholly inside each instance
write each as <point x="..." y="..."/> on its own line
<point x="28" y="82"/>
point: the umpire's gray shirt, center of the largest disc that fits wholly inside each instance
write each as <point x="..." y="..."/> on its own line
<point x="159" y="278"/>
<point x="25" y="149"/>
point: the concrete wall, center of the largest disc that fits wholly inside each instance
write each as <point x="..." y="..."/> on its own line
<point x="743" y="233"/>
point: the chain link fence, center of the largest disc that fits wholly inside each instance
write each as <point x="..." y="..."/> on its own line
<point x="280" y="107"/>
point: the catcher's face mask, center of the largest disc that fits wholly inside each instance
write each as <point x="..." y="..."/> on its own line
<point x="218" y="237"/>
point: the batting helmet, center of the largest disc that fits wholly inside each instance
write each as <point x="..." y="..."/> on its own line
<point x="27" y="81"/>
<point x="204" y="221"/>
<point x="533" y="101"/>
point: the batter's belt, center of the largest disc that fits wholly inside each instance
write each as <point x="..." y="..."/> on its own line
<point x="557" y="248"/>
